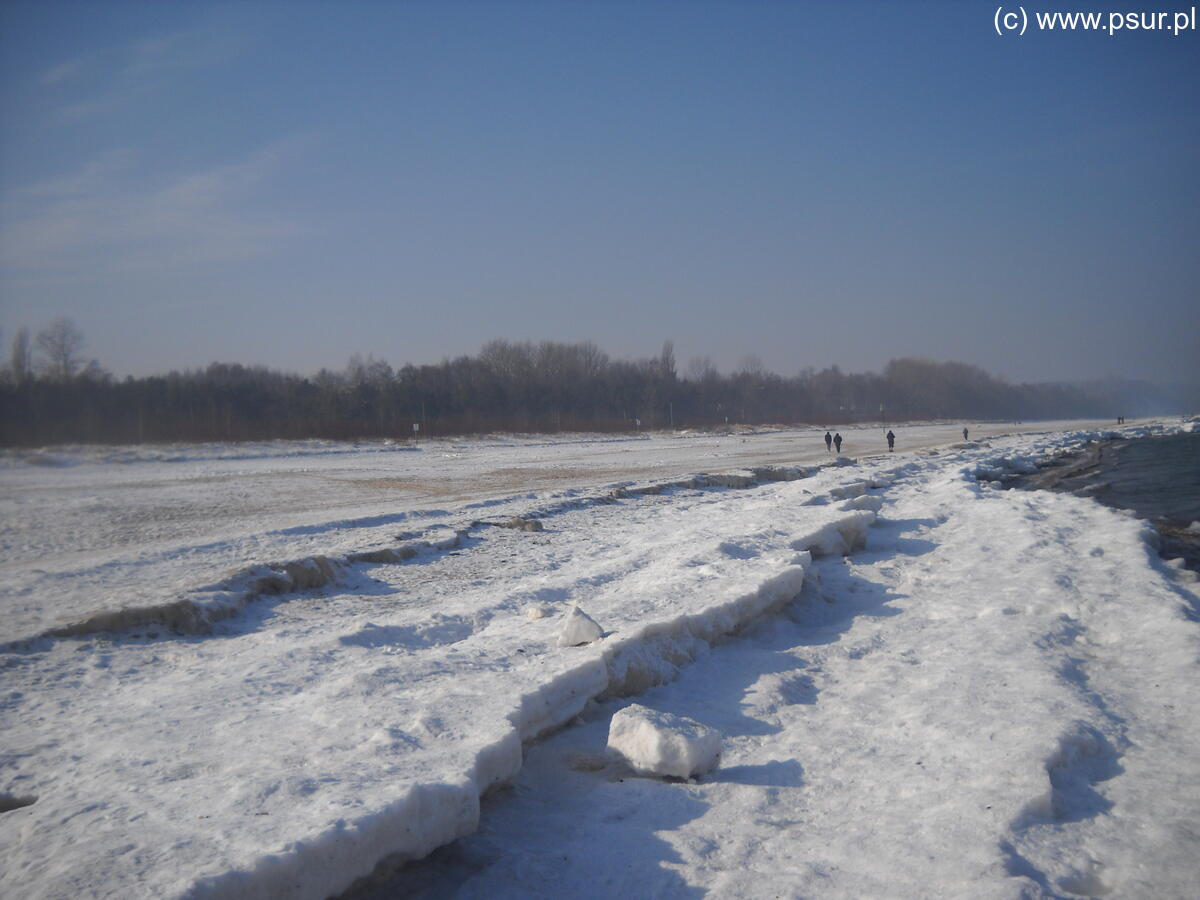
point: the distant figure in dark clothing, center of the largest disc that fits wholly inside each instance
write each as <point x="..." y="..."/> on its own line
<point x="891" y="441"/>
<point x="965" y="434"/>
<point x="837" y="441"/>
<point x="828" y="441"/>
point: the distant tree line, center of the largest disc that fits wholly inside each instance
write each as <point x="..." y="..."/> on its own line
<point x="50" y="394"/>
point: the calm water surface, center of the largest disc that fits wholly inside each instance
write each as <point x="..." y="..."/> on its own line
<point x="1156" y="477"/>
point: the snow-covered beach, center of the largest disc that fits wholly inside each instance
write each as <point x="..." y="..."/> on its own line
<point x="926" y="685"/>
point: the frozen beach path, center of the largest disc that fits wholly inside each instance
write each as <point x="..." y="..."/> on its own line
<point x="996" y="698"/>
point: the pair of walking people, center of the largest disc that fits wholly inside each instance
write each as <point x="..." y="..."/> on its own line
<point x="836" y="440"/>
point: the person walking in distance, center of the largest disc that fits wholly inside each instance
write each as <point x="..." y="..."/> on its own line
<point x="837" y="442"/>
<point x="828" y="441"/>
<point x="965" y="434"/>
<point x="891" y="441"/>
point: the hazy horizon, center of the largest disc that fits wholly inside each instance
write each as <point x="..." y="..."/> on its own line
<point x="810" y="184"/>
<point x="683" y="366"/>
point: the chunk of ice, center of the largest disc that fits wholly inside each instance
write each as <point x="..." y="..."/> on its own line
<point x="535" y="611"/>
<point x="580" y="628"/>
<point x="663" y="744"/>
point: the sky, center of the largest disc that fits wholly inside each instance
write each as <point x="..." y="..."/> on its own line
<point x="808" y="184"/>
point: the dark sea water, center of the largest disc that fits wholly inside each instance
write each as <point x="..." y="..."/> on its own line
<point x="1156" y="477"/>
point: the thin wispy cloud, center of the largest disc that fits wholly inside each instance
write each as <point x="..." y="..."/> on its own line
<point x="63" y="72"/>
<point x="108" y="217"/>
<point x="183" y="50"/>
<point x="110" y="79"/>
<point x="90" y="177"/>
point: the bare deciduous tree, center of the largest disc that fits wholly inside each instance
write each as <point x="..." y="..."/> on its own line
<point x="666" y="361"/>
<point x="62" y="343"/>
<point x="702" y="368"/>
<point x="751" y="364"/>
<point x="20" y="363"/>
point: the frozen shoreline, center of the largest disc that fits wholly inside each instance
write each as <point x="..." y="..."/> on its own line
<point x="1129" y="474"/>
<point x="361" y="718"/>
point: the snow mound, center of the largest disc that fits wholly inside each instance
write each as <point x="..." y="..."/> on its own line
<point x="663" y="744"/>
<point x="863" y="501"/>
<point x="780" y="473"/>
<point x="846" y="491"/>
<point x="839" y="537"/>
<point x="580" y="628"/>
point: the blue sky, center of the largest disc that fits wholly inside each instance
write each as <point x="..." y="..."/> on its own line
<point x="807" y="183"/>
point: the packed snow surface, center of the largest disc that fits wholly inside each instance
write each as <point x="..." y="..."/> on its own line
<point x="264" y="671"/>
